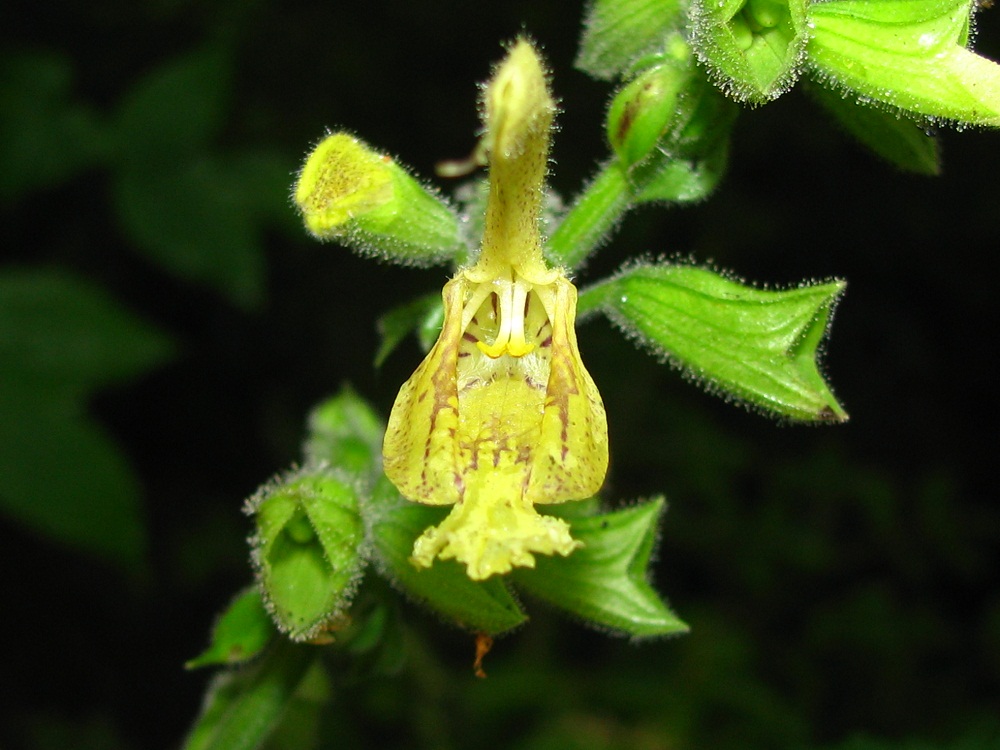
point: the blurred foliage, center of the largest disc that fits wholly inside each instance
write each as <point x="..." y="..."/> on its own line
<point x="59" y="340"/>
<point x="163" y="335"/>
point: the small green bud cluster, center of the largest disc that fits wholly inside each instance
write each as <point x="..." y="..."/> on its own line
<point x="867" y="62"/>
<point x="668" y="128"/>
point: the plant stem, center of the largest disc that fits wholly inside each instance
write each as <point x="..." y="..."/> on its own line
<point x="594" y="213"/>
<point x="591" y="299"/>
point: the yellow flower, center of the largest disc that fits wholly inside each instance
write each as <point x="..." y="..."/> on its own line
<point x="502" y="415"/>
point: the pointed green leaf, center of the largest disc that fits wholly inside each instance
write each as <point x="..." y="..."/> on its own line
<point x="616" y="33"/>
<point x="240" y="633"/>
<point x="484" y="606"/>
<point x="606" y="582"/>
<point x="908" y="54"/>
<point x="60" y="473"/>
<point x="899" y="140"/>
<point x="194" y="217"/>
<point x="758" y="345"/>
<point x="63" y="477"/>
<point x="244" y="707"/>
<point x="63" y="332"/>
<point x="754" y="48"/>
<point x="346" y="433"/>
<point x="175" y="110"/>
<point x="46" y="136"/>
<point x="419" y="315"/>
<point x="307" y="549"/>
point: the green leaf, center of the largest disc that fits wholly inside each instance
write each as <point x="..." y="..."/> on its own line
<point x="63" y="477"/>
<point x="754" y="48"/>
<point x="307" y="549"/>
<point x="422" y="315"/>
<point x="46" y="137"/>
<point x="908" y="54"/>
<point x="302" y="726"/>
<point x="62" y="332"/>
<point x="606" y="582"/>
<point x="975" y="734"/>
<point x="60" y="473"/>
<point x="346" y="433"/>
<point x="901" y="141"/>
<point x="376" y="636"/>
<point x="430" y="327"/>
<point x="244" y="707"/>
<point x="758" y="345"/>
<point x="175" y="111"/>
<point x="616" y="33"/>
<point x="195" y="218"/>
<point x="484" y="606"/>
<point x="197" y="213"/>
<point x="240" y="633"/>
<point x="683" y="180"/>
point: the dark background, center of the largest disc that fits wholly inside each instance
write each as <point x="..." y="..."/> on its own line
<point x="838" y="580"/>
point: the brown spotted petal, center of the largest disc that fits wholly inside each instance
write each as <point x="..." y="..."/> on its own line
<point x="496" y="435"/>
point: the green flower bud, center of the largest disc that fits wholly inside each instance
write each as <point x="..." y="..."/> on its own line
<point x="909" y="54"/>
<point x="351" y="193"/>
<point x="306" y="549"/>
<point x="692" y="156"/>
<point x="754" y="48"/>
<point x="643" y="110"/>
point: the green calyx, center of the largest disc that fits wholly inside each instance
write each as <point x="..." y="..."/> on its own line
<point x="307" y="549"/>
<point x="754" y="48"/>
